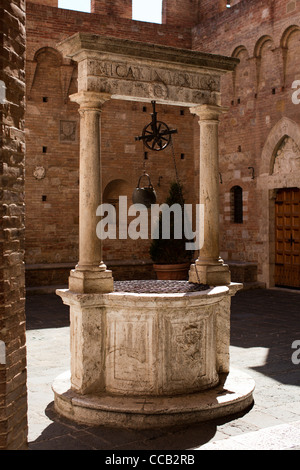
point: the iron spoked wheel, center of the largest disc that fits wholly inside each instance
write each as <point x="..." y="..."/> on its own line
<point x="157" y="138"/>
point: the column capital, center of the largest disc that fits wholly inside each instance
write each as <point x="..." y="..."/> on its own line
<point x="208" y="112"/>
<point x="90" y="99"/>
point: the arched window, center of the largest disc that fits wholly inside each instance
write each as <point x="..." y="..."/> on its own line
<point x="236" y="199"/>
<point x="148" y="11"/>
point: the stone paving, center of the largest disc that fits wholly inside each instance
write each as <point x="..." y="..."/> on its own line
<point x="264" y="325"/>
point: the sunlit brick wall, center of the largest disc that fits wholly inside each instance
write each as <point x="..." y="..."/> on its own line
<point x="258" y="95"/>
<point x="13" y="393"/>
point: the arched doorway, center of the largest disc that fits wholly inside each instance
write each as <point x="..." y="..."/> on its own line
<point x="287" y="238"/>
<point x="279" y="184"/>
<point x="287" y="217"/>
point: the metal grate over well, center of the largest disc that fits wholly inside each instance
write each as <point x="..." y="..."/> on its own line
<point x="158" y="287"/>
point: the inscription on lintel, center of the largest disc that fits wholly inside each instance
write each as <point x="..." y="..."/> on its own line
<point x="169" y="77"/>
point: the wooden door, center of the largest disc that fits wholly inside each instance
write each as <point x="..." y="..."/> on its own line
<point x="287" y="258"/>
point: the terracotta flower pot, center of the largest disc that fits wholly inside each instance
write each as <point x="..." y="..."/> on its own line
<point x="177" y="272"/>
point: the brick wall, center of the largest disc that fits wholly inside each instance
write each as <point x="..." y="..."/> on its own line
<point x="183" y="13"/>
<point x="52" y="126"/>
<point x="115" y="8"/>
<point x="121" y="151"/>
<point x="47" y="26"/>
<point x="208" y="9"/>
<point x="13" y="394"/>
<point x="265" y="36"/>
<point x="52" y="199"/>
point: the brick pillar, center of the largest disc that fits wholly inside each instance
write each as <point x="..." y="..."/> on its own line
<point x="180" y="13"/>
<point x="13" y="391"/>
<point x="117" y="8"/>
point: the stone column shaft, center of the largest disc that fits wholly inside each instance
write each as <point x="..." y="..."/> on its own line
<point x="90" y="247"/>
<point x="210" y="267"/>
<point x="90" y="274"/>
<point x="209" y="189"/>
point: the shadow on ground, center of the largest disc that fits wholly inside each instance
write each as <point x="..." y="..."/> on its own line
<point x="63" y="434"/>
<point x="46" y="311"/>
<point x="268" y="318"/>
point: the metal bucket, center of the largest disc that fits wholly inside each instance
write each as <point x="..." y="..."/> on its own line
<point x="145" y="195"/>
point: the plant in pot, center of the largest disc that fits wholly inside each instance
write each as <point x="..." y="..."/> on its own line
<point x="170" y="258"/>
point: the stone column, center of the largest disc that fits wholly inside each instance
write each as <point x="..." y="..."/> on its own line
<point x="210" y="267"/>
<point x="90" y="274"/>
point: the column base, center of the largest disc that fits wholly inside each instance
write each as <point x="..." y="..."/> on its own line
<point x="212" y="275"/>
<point x="234" y="394"/>
<point x="91" y="282"/>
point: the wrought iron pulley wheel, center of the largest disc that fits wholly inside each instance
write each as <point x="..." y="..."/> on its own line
<point x="156" y="135"/>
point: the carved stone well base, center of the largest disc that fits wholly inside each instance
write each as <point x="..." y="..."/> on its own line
<point x="233" y="395"/>
<point x="157" y="358"/>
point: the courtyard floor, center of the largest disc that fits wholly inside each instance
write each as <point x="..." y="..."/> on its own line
<point x="264" y="325"/>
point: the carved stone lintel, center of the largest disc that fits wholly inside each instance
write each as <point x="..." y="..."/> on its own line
<point x="133" y="70"/>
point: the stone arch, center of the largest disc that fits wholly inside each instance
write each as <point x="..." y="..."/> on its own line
<point x="283" y="129"/>
<point x="266" y="63"/>
<point x="237" y="51"/>
<point x="260" y="43"/>
<point x="49" y="51"/>
<point x="242" y="76"/>
<point x="291" y="62"/>
<point x="35" y="63"/>
<point x="287" y="34"/>
<point x="46" y="77"/>
<point x="114" y="189"/>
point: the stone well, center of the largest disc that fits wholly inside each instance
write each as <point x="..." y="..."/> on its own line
<point x="144" y="359"/>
